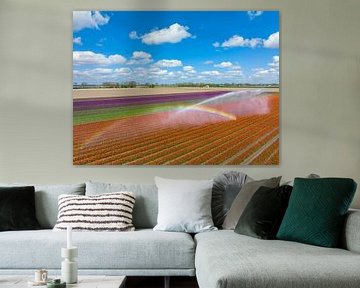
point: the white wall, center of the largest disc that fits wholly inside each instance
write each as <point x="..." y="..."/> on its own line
<point x="320" y="90"/>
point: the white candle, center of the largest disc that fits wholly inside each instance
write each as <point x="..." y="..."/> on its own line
<point x="69" y="237"/>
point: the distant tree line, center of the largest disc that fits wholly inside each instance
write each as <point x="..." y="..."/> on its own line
<point x="134" y="84"/>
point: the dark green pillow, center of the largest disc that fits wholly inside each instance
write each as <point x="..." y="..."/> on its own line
<point x="316" y="211"/>
<point x="17" y="209"/>
<point x="263" y="214"/>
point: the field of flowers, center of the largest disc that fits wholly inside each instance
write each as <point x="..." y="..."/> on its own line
<point x="203" y="128"/>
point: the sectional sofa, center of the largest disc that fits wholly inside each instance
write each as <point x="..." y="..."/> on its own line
<point x="218" y="259"/>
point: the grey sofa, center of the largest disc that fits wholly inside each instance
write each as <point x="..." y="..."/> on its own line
<point x="226" y="259"/>
<point x="218" y="259"/>
<point x="143" y="252"/>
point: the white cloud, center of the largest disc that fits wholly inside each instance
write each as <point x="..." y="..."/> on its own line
<point x="189" y="69"/>
<point x="140" y="55"/>
<point x="270" y="73"/>
<point x="168" y="63"/>
<point x="216" y="44"/>
<point x="140" y="58"/>
<point x="101" y="42"/>
<point x="101" y="70"/>
<point x="208" y="62"/>
<point x="98" y="75"/>
<point x="239" y="41"/>
<point x="157" y="71"/>
<point x="226" y="64"/>
<point x="261" y="72"/>
<point x="116" y="59"/>
<point x="140" y="72"/>
<point x="175" y="33"/>
<point x="161" y="72"/>
<point x="272" y="41"/>
<point x="275" y="62"/>
<point x="122" y="71"/>
<point x="91" y="58"/>
<point x="254" y="14"/>
<point x="133" y="35"/>
<point x="93" y="72"/>
<point x="234" y="73"/>
<point x="77" y="41"/>
<point x="88" y="19"/>
<point x="178" y="74"/>
<point x="211" y="73"/>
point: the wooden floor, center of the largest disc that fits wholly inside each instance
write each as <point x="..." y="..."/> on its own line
<point x="158" y="282"/>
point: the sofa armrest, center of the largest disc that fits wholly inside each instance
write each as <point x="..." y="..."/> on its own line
<point x="351" y="234"/>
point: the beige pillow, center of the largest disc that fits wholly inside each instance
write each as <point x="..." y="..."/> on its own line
<point x="243" y="198"/>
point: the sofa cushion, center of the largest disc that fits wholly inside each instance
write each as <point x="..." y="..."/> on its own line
<point x="317" y="210"/>
<point x="263" y="215"/>
<point x="225" y="189"/>
<point x="225" y="259"/>
<point x="243" y="198"/>
<point x="143" y="249"/>
<point x="146" y="205"/>
<point x="105" y="212"/>
<point x="46" y="200"/>
<point x="184" y="205"/>
<point x="17" y="208"/>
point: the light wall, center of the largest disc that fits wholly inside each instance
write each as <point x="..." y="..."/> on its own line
<point x="320" y="90"/>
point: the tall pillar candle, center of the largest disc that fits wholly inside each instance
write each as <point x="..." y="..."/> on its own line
<point x="69" y="237"/>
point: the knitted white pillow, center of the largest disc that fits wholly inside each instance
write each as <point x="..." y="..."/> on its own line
<point x="105" y="212"/>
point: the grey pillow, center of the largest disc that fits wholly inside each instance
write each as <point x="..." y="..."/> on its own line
<point x="310" y="176"/>
<point x="184" y="205"/>
<point x="243" y="198"/>
<point x="146" y="204"/>
<point x="225" y="189"/>
<point x="46" y="200"/>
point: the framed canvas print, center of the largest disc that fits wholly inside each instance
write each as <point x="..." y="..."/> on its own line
<point x="176" y="87"/>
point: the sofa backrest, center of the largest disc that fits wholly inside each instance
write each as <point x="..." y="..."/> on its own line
<point x="146" y="203"/>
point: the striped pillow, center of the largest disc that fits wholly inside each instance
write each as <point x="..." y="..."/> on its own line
<point x="105" y="212"/>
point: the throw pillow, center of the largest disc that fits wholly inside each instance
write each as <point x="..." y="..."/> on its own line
<point x="106" y="212"/>
<point x="17" y="209"/>
<point x="184" y="205"/>
<point x="317" y="209"/>
<point x="263" y="215"/>
<point x="291" y="182"/>
<point x="46" y="200"/>
<point x="225" y="189"/>
<point x="243" y="198"/>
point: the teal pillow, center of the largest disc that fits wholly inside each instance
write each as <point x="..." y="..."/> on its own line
<point x="316" y="211"/>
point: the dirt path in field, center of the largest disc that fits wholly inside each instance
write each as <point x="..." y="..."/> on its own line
<point x="121" y="92"/>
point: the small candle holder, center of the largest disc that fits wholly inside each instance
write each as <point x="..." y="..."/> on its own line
<point x="69" y="270"/>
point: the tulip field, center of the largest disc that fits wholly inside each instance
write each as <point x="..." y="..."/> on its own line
<point x="217" y="127"/>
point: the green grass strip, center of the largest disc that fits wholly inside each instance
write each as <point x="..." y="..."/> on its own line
<point x="113" y="113"/>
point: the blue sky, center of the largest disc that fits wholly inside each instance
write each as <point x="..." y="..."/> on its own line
<point x="176" y="46"/>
